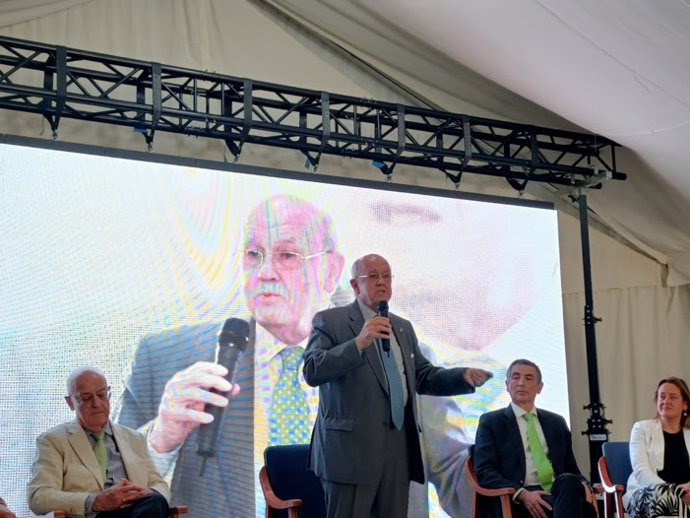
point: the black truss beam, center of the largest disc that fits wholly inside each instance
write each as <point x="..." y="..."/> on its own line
<point x="58" y="82"/>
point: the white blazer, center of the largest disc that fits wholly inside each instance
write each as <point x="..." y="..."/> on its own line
<point x="647" y="455"/>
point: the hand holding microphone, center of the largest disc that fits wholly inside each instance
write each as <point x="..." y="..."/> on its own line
<point x="233" y="339"/>
<point x="181" y="408"/>
<point x="377" y="327"/>
<point x="199" y="394"/>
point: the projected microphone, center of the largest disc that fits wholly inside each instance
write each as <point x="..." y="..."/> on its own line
<point x="233" y="338"/>
<point x="383" y="311"/>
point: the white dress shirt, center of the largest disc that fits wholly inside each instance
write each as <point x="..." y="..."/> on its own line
<point x="368" y="314"/>
<point x="531" y="477"/>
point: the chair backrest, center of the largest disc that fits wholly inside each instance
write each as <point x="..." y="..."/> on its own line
<point x="483" y="501"/>
<point x="617" y="455"/>
<point x="289" y="477"/>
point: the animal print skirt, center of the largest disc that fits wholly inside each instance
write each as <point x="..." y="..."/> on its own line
<point x="658" y="500"/>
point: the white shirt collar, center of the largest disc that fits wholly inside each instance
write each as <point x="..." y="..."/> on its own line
<point x="367" y="312"/>
<point x="519" y="411"/>
<point x="268" y="346"/>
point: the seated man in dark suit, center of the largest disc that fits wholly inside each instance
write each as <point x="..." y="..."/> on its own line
<point x="530" y="450"/>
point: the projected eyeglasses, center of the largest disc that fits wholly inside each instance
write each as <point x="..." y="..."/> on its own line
<point x="254" y="259"/>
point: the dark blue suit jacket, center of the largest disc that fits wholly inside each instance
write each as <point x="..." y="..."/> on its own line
<point x="499" y="456"/>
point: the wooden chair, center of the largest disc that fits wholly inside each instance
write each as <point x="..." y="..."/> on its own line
<point x="290" y="489"/>
<point x="505" y="494"/>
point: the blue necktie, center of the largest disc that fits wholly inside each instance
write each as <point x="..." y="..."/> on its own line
<point x="288" y="421"/>
<point x="395" y="388"/>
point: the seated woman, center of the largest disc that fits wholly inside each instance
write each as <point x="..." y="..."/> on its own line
<point x="660" y="481"/>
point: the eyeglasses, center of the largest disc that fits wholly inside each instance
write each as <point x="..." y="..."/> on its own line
<point x="375" y="277"/>
<point x="101" y="395"/>
<point x="254" y="259"/>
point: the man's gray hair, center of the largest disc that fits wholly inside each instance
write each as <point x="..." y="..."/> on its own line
<point x="355" y="270"/>
<point x="74" y="375"/>
<point x="523" y="361"/>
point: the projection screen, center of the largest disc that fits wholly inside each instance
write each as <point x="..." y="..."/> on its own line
<point x="104" y="258"/>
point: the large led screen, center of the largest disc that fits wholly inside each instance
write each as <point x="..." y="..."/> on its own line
<point x="132" y="266"/>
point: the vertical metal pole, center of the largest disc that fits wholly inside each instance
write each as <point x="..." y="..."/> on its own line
<point x="596" y="423"/>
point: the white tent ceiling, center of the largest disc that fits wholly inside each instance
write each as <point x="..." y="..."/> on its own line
<point x="618" y="68"/>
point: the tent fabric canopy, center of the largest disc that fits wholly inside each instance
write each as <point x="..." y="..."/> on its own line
<point x="619" y="69"/>
<point x="613" y="67"/>
<point x="17" y="11"/>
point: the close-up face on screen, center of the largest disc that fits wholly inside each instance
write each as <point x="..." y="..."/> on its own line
<point x="133" y="267"/>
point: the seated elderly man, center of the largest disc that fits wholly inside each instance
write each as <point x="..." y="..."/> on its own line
<point x="5" y="511"/>
<point x="92" y="467"/>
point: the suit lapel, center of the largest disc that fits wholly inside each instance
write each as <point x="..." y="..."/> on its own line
<point x="406" y="350"/>
<point x="658" y="443"/>
<point x="552" y="440"/>
<point x="511" y="425"/>
<point x="127" y="455"/>
<point x="550" y="432"/>
<point x="371" y="354"/>
<point x="79" y="442"/>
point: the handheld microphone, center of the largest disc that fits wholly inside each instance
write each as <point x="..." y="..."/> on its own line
<point x="233" y="338"/>
<point x="383" y="311"/>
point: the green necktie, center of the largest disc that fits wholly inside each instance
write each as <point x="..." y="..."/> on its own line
<point x="541" y="461"/>
<point x="288" y="421"/>
<point x="100" y="452"/>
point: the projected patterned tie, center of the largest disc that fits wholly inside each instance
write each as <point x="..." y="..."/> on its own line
<point x="288" y="421"/>
<point x="100" y="452"/>
<point x="541" y="461"/>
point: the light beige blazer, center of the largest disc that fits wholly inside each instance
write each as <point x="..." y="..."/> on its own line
<point x="65" y="470"/>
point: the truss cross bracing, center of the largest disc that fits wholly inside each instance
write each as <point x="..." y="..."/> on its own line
<point x="58" y="82"/>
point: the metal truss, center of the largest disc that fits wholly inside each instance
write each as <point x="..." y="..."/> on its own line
<point x="58" y="82"/>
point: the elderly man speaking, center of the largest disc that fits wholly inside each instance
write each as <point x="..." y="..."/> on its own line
<point x="368" y="366"/>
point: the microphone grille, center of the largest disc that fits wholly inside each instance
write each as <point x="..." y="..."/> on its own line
<point x="383" y="307"/>
<point x="234" y="332"/>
